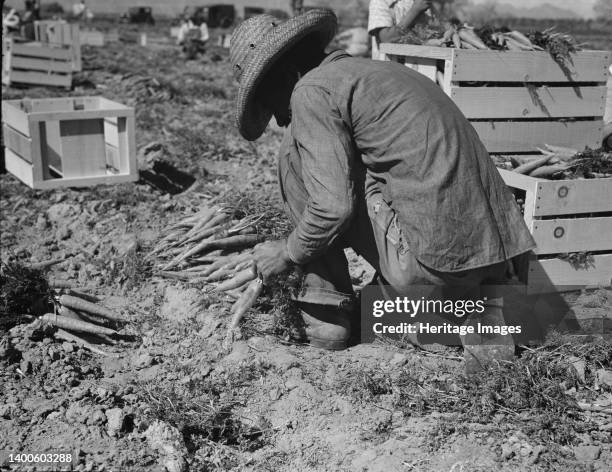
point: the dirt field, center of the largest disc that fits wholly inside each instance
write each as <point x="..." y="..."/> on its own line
<point x="175" y="399"/>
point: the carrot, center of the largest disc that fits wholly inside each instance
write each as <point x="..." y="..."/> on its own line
<point x="245" y="302"/>
<point x="179" y="275"/>
<point x="516" y="45"/>
<point x="219" y="274"/>
<point x="520" y="38"/>
<point x="184" y="254"/>
<point x="66" y="336"/>
<point x="548" y="171"/>
<point x="238" y="280"/>
<point x="466" y="45"/>
<point x="448" y="35"/>
<point x="207" y="259"/>
<point x="233" y="242"/>
<point x="46" y="264"/>
<point x="58" y="283"/>
<point x="456" y="40"/>
<point x="65" y="311"/>
<point x="207" y="232"/>
<point x="526" y="168"/>
<point x="76" y="325"/>
<point x="83" y="305"/>
<point x="440" y="78"/>
<point x="468" y="36"/>
<point x="83" y="295"/>
<point x="68" y="313"/>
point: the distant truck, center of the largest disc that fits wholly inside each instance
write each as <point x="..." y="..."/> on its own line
<point x="215" y="16"/>
<point x="138" y="15"/>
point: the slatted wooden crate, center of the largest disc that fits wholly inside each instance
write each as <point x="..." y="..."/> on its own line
<point x="36" y="63"/>
<point x="69" y="142"/>
<point x="60" y="32"/>
<point x="519" y="100"/>
<point x="91" y="38"/>
<point x="564" y="217"/>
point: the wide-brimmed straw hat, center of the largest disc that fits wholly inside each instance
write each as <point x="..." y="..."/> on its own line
<point x="256" y="45"/>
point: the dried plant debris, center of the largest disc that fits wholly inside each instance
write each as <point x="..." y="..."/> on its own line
<point x="23" y="291"/>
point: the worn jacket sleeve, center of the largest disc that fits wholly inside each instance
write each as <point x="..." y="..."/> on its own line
<point x="323" y="141"/>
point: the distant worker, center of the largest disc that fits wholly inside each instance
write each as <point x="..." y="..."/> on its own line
<point x="80" y="11"/>
<point x="390" y="20"/>
<point x="28" y="19"/>
<point x="193" y="36"/>
<point x="10" y="20"/>
<point x="189" y="26"/>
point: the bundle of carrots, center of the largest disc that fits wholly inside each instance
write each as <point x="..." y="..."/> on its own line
<point x="212" y="247"/>
<point x="462" y="36"/>
<point x="78" y="312"/>
<point x="558" y="162"/>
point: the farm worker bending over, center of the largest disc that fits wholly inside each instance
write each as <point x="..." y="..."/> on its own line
<point x="375" y="157"/>
<point x="389" y="20"/>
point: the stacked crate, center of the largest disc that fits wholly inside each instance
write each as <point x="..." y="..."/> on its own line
<point x="518" y="101"/>
<point x="566" y="217"/>
<point x="69" y="142"/>
<point x="36" y="63"/>
<point x="60" y="32"/>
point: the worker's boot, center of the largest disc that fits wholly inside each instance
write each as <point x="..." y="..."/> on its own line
<point x="326" y="327"/>
<point x="484" y="350"/>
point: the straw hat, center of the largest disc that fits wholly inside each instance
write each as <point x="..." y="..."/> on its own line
<point x="256" y="45"/>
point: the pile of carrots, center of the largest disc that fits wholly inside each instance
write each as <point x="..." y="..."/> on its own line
<point x="462" y="36"/>
<point x="78" y="312"/>
<point x="212" y="247"/>
<point x="558" y="162"/>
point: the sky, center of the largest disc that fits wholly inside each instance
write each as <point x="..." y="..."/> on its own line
<point x="582" y="7"/>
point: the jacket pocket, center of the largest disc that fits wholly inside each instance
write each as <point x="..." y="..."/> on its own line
<point x="384" y="220"/>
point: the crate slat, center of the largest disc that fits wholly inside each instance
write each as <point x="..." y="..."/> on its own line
<point x="16" y="117"/>
<point x="18" y="143"/>
<point x="546" y="275"/>
<point x="567" y="197"/>
<point x="510" y="66"/>
<point x="529" y="66"/>
<point x="37" y="49"/>
<point x="40" y="78"/>
<point x="80" y="137"/>
<point x="18" y="167"/>
<point x="32" y="64"/>
<point x="517" y="102"/>
<point x="566" y="235"/>
<point x="528" y="136"/>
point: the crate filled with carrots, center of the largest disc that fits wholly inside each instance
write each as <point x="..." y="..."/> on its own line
<point x="519" y="91"/>
<point x="566" y="199"/>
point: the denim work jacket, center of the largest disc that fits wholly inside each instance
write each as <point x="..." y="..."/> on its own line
<point x="353" y="115"/>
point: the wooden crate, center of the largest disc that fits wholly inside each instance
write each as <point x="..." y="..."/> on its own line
<point x="69" y="142"/>
<point x="35" y="63"/>
<point x="566" y="216"/>
<point x="518" y="100"/>
<point x="60" y="32"/>
<point x="91" y="37"/>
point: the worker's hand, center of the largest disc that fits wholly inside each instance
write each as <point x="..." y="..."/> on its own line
<point x="422" y="5"/>
<point x="271" y="258"/>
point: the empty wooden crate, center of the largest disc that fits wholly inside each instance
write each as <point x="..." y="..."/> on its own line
<point x="60" y="32"/>
<point x="69" y="142"/>
<point x="519" y="100"/>
<point x="571" y="222"/>
<point x="36" y="63"/>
